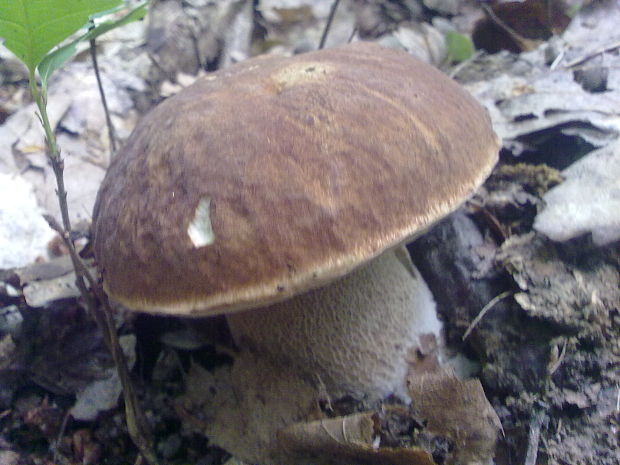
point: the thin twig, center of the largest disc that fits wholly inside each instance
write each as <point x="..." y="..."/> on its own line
<point x="53" y="152"/>
<point x="533" y="437"/>
<point x="328" y="25"/>
<point x="463" y="64"/>
<point x="55" y="446"/>
<point x="324" y="395"/>
<point x="555" y="364"/>
<point x="484" y="311"/>
<point x="104" y="102"/>
<point x="136" y="422"/>
<point x="524" y="43"/>
<point x="352" y="36"/>
<point x="557" y="60"/>
<point x="589" y="56"/>
<point x="137" y="425"/>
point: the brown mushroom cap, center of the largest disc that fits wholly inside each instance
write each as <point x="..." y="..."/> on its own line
<point x="304" y="168"/>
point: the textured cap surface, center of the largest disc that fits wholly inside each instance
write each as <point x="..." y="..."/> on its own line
<point x="277" y="175"/>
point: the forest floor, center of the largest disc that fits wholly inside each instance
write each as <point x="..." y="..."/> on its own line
<point x="526" y="274"/>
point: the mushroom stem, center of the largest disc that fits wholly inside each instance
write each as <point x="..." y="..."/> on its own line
<point x="356" y="337"/>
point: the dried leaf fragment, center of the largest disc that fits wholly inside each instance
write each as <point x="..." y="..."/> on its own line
<point x="459" y="411"/>
<point x="349" y="439"/>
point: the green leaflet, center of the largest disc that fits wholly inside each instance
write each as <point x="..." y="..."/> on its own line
<point x="31" y="28"/>
<point x="460" y="47"/>
<point x="58" y="57"/>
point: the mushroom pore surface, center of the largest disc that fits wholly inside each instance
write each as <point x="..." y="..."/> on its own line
<point x="355" y="336"/>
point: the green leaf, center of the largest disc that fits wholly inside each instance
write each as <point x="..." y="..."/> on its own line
<point x="136" y="14"/>
<point x="460" y="47"/>
<point x="55" y="60"/>
<point x="31" y="28"/>
<point x="58" y="57"/>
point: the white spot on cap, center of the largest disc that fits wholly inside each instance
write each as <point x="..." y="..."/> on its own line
<point x="200" y="230"/>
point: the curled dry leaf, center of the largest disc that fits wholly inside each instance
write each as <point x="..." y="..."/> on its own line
<point x="459" y="411"/>
<point x="520" y="26"/>
<point x="353" y="438"/>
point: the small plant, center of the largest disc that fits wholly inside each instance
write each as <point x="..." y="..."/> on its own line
<point x="33" y="31"/>
<point x="460" y="47"/>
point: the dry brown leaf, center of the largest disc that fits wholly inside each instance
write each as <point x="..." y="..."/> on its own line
<point x="457" y="410"/>
<point x="349" y="439"/>
<point x="520" y="26"/>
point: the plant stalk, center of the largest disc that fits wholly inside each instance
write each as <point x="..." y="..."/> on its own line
<point x="104" y="101"/>
<point x="137" y="425"/>
<point x="328" y="25"/>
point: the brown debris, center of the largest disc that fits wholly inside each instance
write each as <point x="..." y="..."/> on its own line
<point x="459" y="411"/>
<point x="352" y="439"/>
<point x="519" y="26"/>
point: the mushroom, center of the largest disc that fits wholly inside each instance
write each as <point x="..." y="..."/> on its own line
<point x="278" y="192"/>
